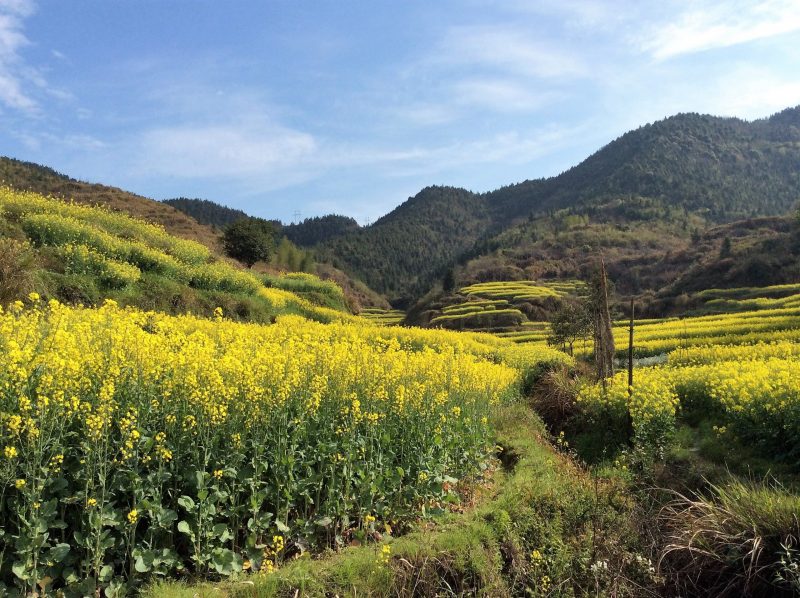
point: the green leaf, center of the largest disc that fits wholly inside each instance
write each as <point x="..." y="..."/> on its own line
<point x="184" y="528"/>
<point x="282" y="527"/>
<point x="58" y="553"/>
<point x="186" y="502"/>
<point x="167" y="517"/>
<point x="220" y="530"/>
<point x="141" y="564"/>
<point x="226" y="562"/>
<point x="20" y="570"/>
<point x="324" y="522"/>
<point x="106" y="573"/>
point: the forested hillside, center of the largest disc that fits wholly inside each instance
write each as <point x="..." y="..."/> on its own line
<point x="206" y="212"/>
<point x="319" y="229"/>
<point x="401" y="253"/>
<point x="674" y="178"/>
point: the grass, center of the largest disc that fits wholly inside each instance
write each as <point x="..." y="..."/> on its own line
<point x="738" y="538"/>
<point x="537" y="532"/>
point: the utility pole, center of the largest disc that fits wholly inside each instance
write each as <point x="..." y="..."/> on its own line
<point x="296" y="216"/>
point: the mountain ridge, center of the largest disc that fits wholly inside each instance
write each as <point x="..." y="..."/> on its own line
<point x="719" y="168"/>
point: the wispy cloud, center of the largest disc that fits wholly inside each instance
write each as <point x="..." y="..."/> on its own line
<point x="509" y="49"/>
<point x="713" y="25"/>
<point x="70" y="142"/>
<point x="500" y="95"/>
<point x="13" y="72"/>
<point x="224" y="150"/>
<point x="751" y="92"/>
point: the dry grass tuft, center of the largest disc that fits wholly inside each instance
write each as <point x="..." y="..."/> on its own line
<point x="555" y="397"/>
<point x="740" y="539"/>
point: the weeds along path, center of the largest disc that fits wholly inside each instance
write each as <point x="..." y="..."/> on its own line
<point x="545" y="528"/>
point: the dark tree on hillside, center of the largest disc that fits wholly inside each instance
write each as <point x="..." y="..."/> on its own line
<point x="249" y="240"/>
<point x="725" y="249"/>
<point x="449" y="281"/>
<point x="206" y="212"/>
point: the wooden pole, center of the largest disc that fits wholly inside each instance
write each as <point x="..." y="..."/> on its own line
<point x="630" y="353"/>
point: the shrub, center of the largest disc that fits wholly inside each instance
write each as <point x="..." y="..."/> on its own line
<point x="555" y="397"/>
<point x="17" y="264"/>
<point x="220" y="277"/>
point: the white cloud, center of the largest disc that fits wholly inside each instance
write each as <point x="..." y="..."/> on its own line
<point x="750" y="92"/>
<point x="510" y="147"/>
<point x="425" y="114"/>
<point x="69" y="142"/>
<point x="718" y="25"/>
<point x="13" y="72"/>
<point x="499" y="95"/>
<point x="507" y="49"/>
<point x="224" y="150"/>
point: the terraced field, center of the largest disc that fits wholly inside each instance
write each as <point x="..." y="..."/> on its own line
<point x="383" y="317"/>
<point x="503" y="306"/>
<point x="525" y="289"/>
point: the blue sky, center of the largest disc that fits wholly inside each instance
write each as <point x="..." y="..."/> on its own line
<point x="351" y="107"/>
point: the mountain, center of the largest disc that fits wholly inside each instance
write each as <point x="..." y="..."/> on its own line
<point x="206" y="212"/>
<point x="402" y="252"/>
<point x="665" y="180"/>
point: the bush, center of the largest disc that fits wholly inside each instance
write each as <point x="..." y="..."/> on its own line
<point x="555" y="397"/>
<point x="17" y="264"/>
<point x="220" y="277"/>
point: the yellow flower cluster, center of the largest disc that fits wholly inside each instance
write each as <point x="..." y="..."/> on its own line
<point x="297" y="419"/>
<point x="756" y="388"/>
<point x="777" y="322"/>
<point x="20" y="204"/>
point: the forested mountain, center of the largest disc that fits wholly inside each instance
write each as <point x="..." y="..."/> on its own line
<point x="319" y="229"/>
<point x="674" y="178"/>
<point x="405" y="250"/>
<point x="652" y="192"/>
<point x="206" y="212"/>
